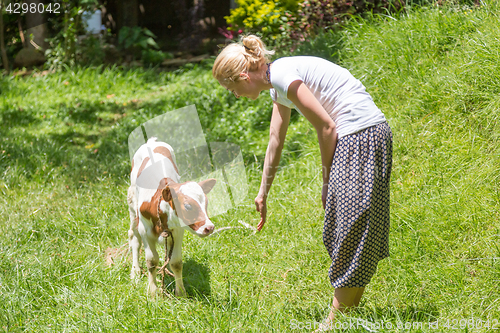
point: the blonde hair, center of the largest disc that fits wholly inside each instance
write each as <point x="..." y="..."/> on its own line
<point x="242" y="57"/>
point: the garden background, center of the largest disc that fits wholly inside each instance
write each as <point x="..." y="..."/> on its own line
<point x="432" y="69"/>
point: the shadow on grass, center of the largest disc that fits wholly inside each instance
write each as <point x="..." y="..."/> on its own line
<point x="196" y="278"/>
<point x="17" y="117"/>
<point x="80" y="146"/>
<point x="84" y="140"/>
<point x="86" y="111"/>
<point x="40" y="158"/>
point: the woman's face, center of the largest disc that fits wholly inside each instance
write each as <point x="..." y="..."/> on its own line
<point x="244" y="87"/>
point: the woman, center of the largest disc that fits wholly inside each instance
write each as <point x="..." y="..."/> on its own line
<point x="356" y="153"/>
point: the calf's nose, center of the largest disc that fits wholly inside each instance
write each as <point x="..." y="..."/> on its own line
<point x="208" y="230"/>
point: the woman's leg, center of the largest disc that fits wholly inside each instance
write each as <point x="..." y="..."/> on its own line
<point x="345" y="299"/>
<point x="358" y="296"/>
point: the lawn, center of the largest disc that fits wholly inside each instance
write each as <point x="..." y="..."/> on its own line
<point x="64" y="167"/>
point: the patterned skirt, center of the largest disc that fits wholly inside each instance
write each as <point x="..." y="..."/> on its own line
<point x="356" y="230"/>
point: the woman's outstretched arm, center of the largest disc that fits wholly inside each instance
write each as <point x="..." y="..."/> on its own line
<point x="277" y="133"/>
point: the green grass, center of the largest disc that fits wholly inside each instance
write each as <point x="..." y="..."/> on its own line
<point x="64" y="163"/>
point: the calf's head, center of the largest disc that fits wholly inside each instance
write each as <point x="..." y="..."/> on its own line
<point x="189" y="201"/>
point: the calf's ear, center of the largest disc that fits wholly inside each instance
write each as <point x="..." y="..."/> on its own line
<point x="207" y="185"/>
<point x="167" y="191"/>
<point x="166" y="194"/>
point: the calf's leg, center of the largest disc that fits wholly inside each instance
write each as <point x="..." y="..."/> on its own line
<point x="151" y="262"/>
<point x="134" y="242"/>
<point x="134" y="239"/>
<point x="176" y="261"/>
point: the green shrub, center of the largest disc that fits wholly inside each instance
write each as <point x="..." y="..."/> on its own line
<point x="64" y="46"/>
<point x="136" y="39"/>
<point x="140" y="43"/>
<point x="90" y="52"/>
<point x="319" y="16"/>
<point x="287" y="24"/>
<point x="154" y="57"/>
<point x="265" y="18"/>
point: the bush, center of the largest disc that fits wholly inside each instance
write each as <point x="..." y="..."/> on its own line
<point x="264" y="18"/>
<point x="64" y="45"/>
<point x="287" y="24"/>
<point x="154" y="57"/>
<point x="90" y="51"/>
<point x="319" y="16"/>
<point x="136" y="39"/>
<point x="140" y="43"/>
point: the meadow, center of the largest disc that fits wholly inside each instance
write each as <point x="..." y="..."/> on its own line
<point x="64" y="174"/>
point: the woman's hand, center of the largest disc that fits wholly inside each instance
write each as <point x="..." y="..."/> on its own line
<point x="261" y="206"/>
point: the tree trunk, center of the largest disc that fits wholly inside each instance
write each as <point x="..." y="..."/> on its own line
<point x="36" y="26"/>
<point x="128" y="13"/>
<point x="5" y="60"/>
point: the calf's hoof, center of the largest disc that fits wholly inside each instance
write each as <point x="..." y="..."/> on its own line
<point x="153" y="290"/>
<point x="135" y="274"/>
<point x="180" y="292"/>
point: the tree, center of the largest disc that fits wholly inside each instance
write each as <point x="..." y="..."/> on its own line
<point x="128" y="13"/>
<point x="5" y="60"/>
<point x="36" y="25"/>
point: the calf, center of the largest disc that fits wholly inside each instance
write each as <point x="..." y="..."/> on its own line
<point x="160" y="206"/>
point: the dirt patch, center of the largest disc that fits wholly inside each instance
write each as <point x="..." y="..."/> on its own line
<point x="115" y="256"/>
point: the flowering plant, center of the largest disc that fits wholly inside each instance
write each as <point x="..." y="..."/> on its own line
<point x="266" y="18"/>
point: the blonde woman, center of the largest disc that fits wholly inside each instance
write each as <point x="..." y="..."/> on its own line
<point x="356" y="153"/>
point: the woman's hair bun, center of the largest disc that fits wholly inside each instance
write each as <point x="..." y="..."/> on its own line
<point x="241" y="57"/>
<point x="255" y="46"/>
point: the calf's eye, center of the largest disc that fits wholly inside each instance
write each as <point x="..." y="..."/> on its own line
<point x="188" y="206"/>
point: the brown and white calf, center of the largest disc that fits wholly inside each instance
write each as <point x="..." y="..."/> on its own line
<point x="157" y="202"/>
